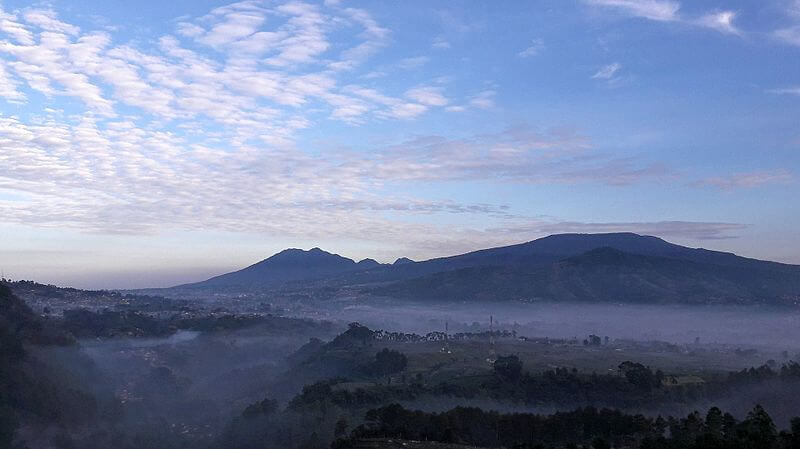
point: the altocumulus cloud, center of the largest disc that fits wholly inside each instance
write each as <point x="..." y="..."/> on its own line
<point x="169" y="137"/>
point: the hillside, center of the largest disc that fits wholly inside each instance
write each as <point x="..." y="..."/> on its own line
<point x="547" y="250"/>
<point x="288" y="265"/>
<point x="610" y="275"/>
<point x="31" y="389"/>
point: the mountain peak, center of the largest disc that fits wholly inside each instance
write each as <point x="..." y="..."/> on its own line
<point x="402" y="261"/>
<point x="292" y="264"/>
<point x="368" y="263"/>
<point x="575" y="243"/>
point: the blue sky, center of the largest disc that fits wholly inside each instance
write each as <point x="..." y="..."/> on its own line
<point x="151" y="143"/>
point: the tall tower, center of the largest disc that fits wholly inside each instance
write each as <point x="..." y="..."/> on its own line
<point x="492" y="352"/>
<point x="446" y="348"/>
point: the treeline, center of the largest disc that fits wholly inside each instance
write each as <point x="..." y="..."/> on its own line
<point x="83" y="323"/>
<point x="35" y="289"/>
<point x="328" y="406"/>
<point x="634" y="385"/>
<point x="584" y="427"/>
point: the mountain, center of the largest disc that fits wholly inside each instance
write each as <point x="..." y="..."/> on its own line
<point x="366" y="264"/>
<point x="622" y="267"/>
<point x="550" y="249"/>
<point x="288" y="265"/>
<point x="607" y="274"/>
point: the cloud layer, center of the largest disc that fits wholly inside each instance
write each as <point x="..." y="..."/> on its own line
<point x="201" y="129"/>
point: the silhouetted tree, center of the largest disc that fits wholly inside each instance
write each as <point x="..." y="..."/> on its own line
<point x="388" y="362"/>
<point x="508" y="368"/>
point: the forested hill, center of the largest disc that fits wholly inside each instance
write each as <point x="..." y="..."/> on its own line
<point x="31" y="389"/>
<point x="19" y="325"/>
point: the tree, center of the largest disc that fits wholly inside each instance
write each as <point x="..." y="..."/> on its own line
<point x="341" y="427"/>
<point x="388" y="362"/>
<point x="640" y="375"/>
<point x="8" y="425"/>
<point x="508" y="368"/>
<point x="714" y="422"/>
<point x="359" y="332"/>
<point x="265" y="407"/>
<point x="758" y="429"/>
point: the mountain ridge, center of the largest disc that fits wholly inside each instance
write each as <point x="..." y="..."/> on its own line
<point x="291" y="264"/>
<point x="606" y="275"/>
<point x="660" y="263"/>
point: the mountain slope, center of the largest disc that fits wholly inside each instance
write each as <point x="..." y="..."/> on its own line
<point x="544" y="251"/>
<point x="546" y="268"/>
<point x="609" y="275"/>
<point x="287" y="265"/>
<point x="33" y="391"/>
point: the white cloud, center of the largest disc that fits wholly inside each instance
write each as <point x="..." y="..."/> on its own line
<point x="789" y="35"/>
<point x="374" y="38"/>
<point x="484" y="100"/>
<point x="412" y="63"/>
<point x="747" y="179"/>
<point x="371" y="95"/>
<point x="536" y="47"/>
<point x="683" y="229"/>
<point x="10" y="25"/>
<point x="721" y="21"/>
<point x="46" y="20"/>
<point x="660" y="10"/>
<point x="190" y="29"/>
<point x="429" y="96"/>
<point x="793" y="90"/>
<point x="9" y="86"/>
<point x="607" y="72"/>
<point x="245" y="93"/>
<point x="236" y="26"/>
<point x="440" y="43"/>
<point x="403" y="64"/>
<point x="307" y="38"/>
<point x="48" y="66"/>
<point x="669" y="11"/>
<point x="124" y="178"/>
<point x="182" y="136"/>
<point x="406" y="110"/>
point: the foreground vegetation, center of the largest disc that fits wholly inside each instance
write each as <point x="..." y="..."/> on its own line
<point x="102" y="379"/>
<point x="584" y="427"/>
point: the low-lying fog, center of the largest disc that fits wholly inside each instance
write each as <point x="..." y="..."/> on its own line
<point x="190" y="385"/>
<point x="741" y="326"/>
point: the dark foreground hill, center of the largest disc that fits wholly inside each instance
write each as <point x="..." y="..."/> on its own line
<point x="32" y="390"/>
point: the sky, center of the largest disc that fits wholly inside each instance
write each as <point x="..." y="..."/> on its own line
<point x="152" y="143"/>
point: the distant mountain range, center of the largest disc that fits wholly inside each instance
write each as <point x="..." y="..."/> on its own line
<point x="614" y="267"/>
